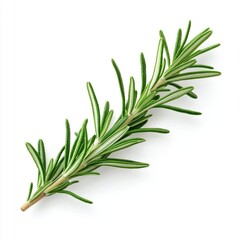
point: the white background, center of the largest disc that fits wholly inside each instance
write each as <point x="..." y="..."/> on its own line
<point x="49" y="50"/>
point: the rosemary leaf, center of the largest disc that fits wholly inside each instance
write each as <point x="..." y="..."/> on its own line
<point x="49" y="169"/>
<point x="76" y="196"/>
<point x="120" y="163"/>
<point x="131" y="96"/>
<point x="158" y="63"/>
<point x="37" y="161"/>
<point x="67" y="144"/>
<point x="95" y="108"/>
<point x="30" y="191"/>
<point x="165" y="47"/>
<point x="190" y="94"/>
<point x="143" y="72"/>
<point x="177" y="44"/>
<point x="153" y="130"/>
<point x="41" y="152"/>
<point x="194" y="75"/>
<point x="120" y="81"/>
<point x="105" y="114"/>
<point x="177" y="109"/>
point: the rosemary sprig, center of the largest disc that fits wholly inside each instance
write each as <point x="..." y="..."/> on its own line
<point x="86" y="154"/>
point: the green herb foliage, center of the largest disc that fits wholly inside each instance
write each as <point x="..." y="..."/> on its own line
<point x="86" y="154"/>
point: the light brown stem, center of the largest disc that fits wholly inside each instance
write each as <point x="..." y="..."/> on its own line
<point x="55" y="184"/>
<point x="28" y="204"/>
<point x="160" y="82"/>
<point x="128" y="120"/>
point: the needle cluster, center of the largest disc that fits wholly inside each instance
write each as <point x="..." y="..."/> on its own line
<point x="86" y="154"/>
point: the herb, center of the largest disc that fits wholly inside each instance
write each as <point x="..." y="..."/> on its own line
<point x="85" y="155"/>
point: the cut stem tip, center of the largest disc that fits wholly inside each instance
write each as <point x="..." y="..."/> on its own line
<point x="28" y="204"/>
